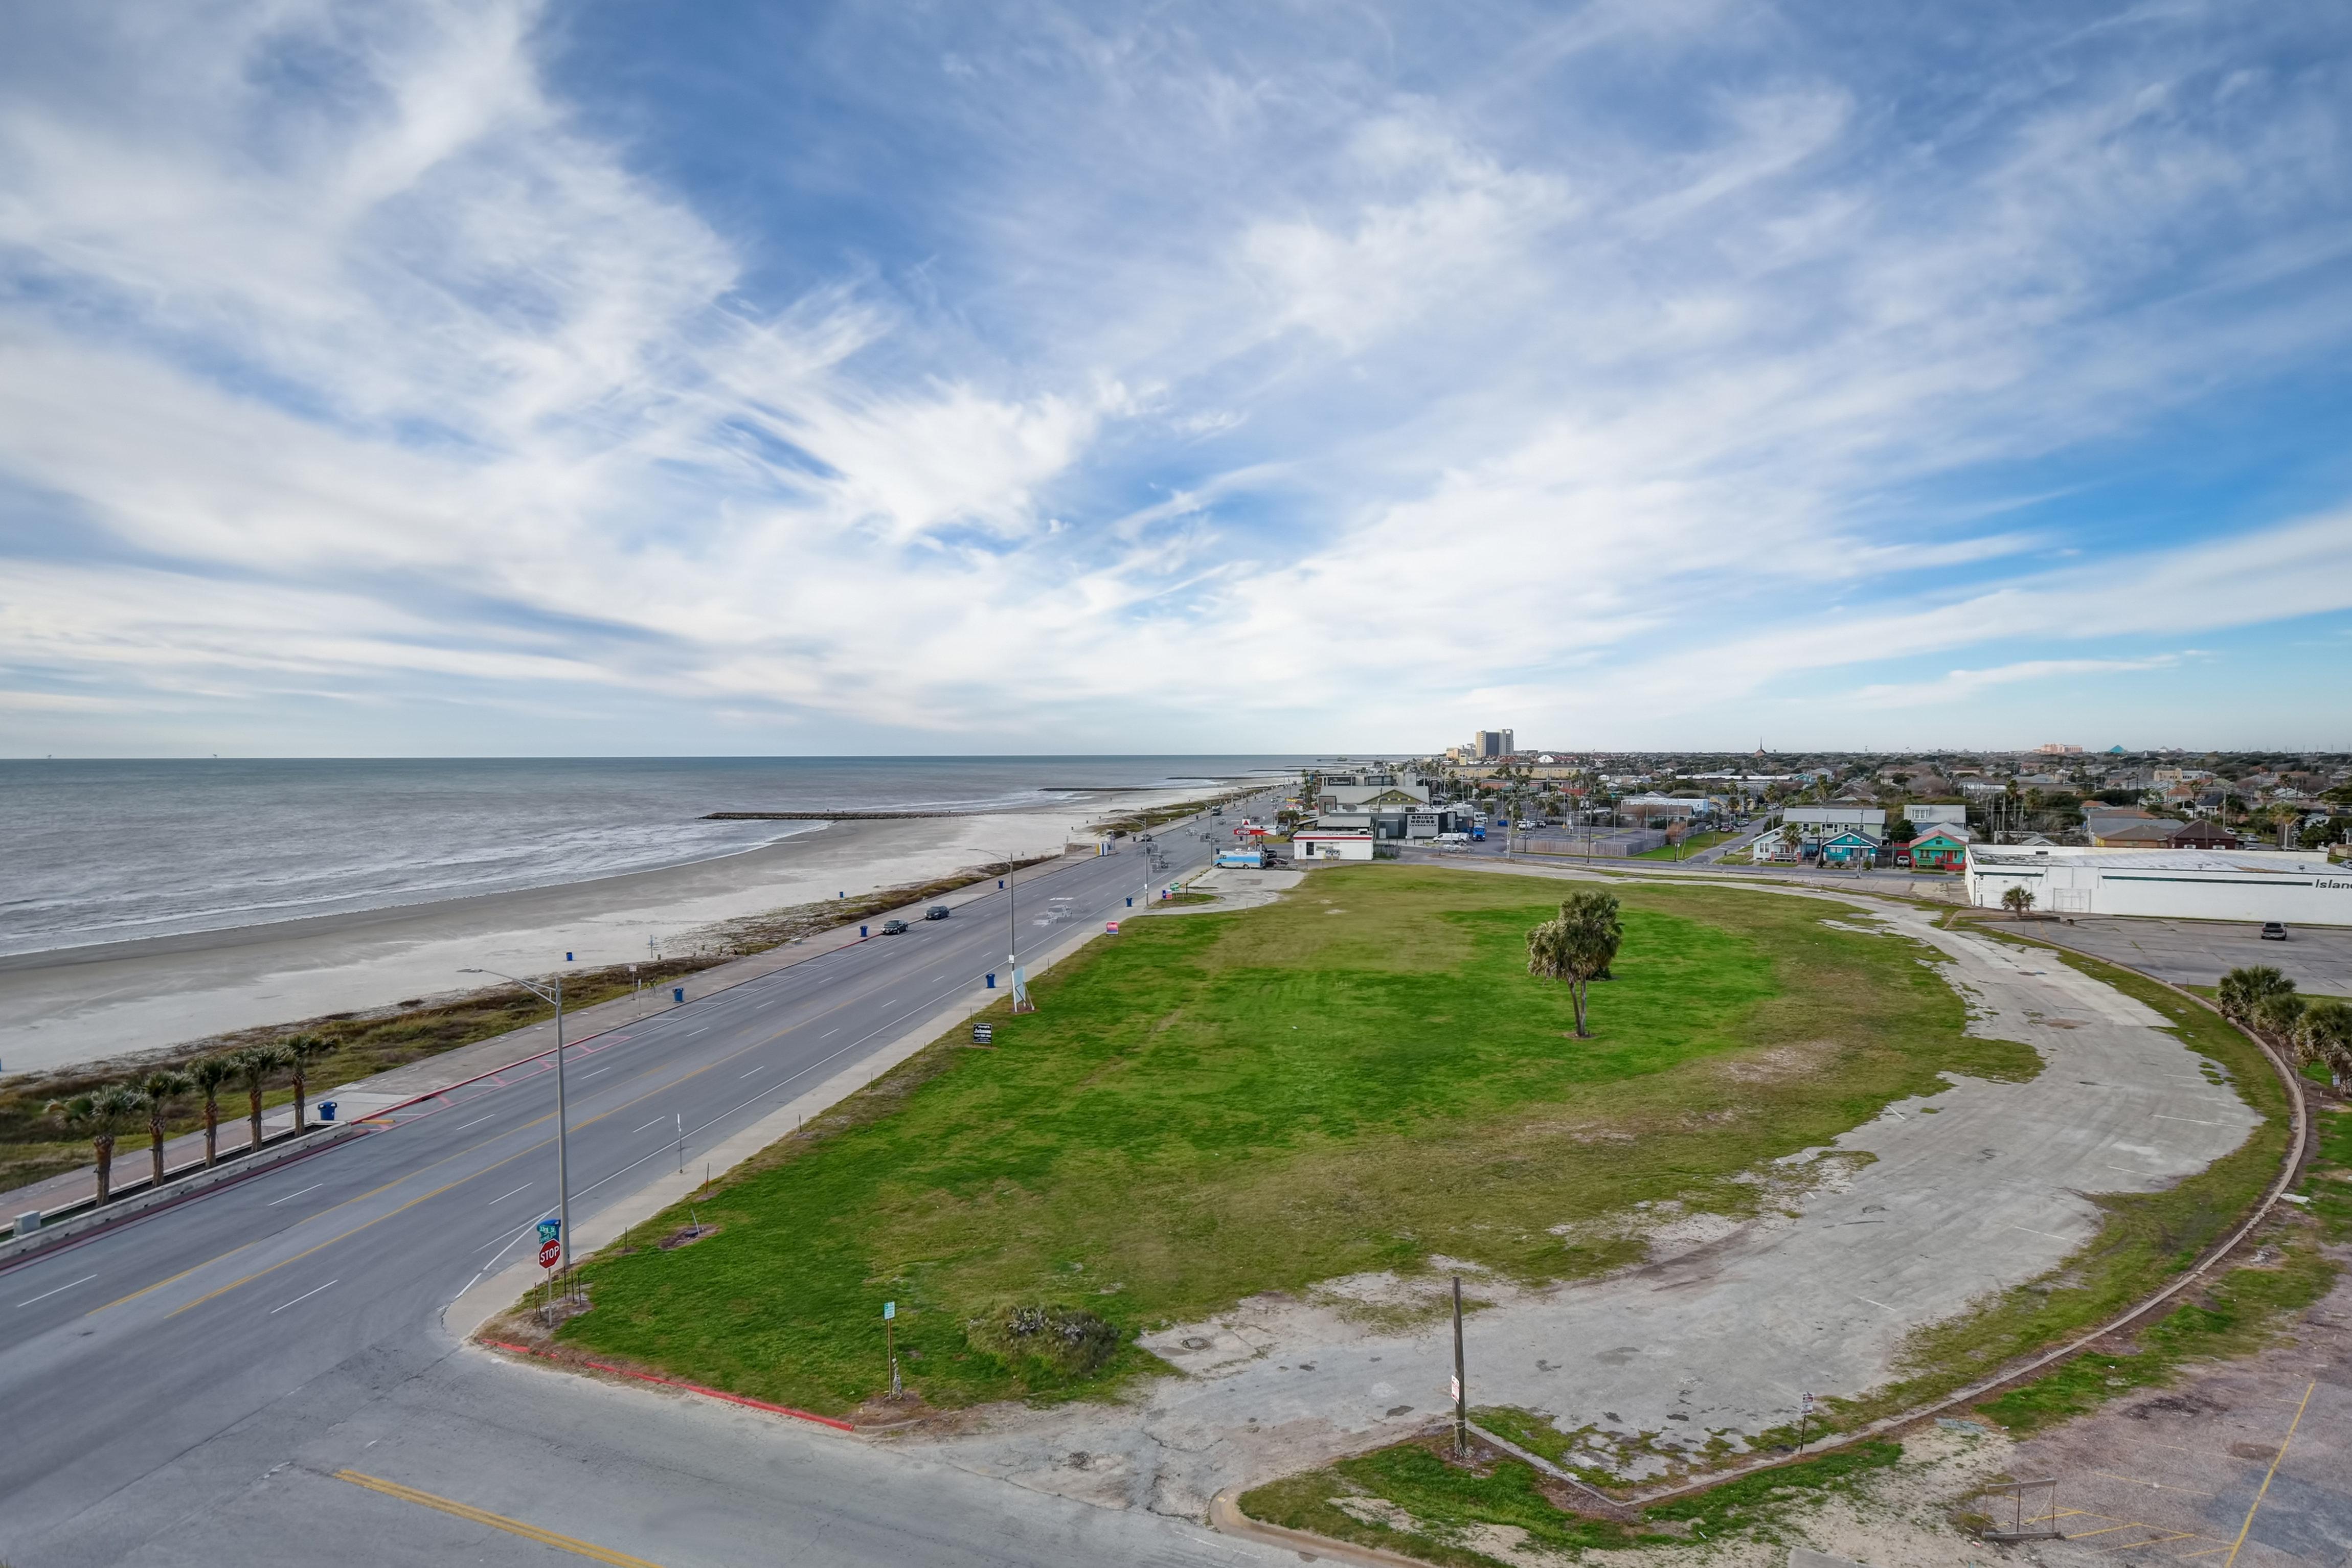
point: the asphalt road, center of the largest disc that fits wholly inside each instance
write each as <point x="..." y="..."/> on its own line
<point x="193" y="1376"/>
<point x="2317" y="959"/>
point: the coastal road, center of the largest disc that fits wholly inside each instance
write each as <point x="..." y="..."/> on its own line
<point x="207" y="1371"/>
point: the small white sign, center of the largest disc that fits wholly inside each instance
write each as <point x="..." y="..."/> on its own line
<point x="1453" y="1389"/>
<point x="890" y="1310"/>
<point x="1808" y="1406"/>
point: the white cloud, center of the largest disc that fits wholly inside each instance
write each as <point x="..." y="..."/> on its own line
<point x="1520" y="394"/>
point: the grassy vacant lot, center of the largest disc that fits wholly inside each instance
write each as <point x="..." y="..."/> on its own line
<point x="2148" y="1237"/>
<point x="1354" y="1079"/>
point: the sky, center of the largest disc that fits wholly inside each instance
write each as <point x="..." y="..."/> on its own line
<point x="487" y="378"/>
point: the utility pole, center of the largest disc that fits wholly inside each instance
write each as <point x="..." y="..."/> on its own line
<point x="1461" y="1392"/>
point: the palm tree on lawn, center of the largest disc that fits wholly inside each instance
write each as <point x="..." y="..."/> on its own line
<point x="1578" y="948"/>
<point x="300" y="1050"/>
<point x="255" y="1065"/>
<point x="210" y="1075"/>
<point x="101" y="1117"/>
<point x="159" y="1089"/>
<point x="2017" y="900"/>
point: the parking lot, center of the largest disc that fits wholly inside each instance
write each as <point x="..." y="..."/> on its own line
<point x="2317" y="959"/>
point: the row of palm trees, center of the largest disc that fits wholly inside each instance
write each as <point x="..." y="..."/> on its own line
<point x="152" y="1102"/>
<point x="2318" y="1031"/>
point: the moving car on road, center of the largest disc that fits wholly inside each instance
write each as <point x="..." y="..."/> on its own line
<point x="936" y="912"/>
<point x="893" y="927"/>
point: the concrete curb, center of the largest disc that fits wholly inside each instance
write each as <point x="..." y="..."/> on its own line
<point x="2298" y="1152"/>
<point x="678" y="1382"/>
<point x="492" y="1294"/>
<point x="154" y="1200"/>
<point x="1226" y="1518"/>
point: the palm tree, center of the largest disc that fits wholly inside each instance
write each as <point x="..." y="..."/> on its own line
<point x="159" y="1089"/>
<point x="101" y="1118"/>
<point x="2017" y="900"/>
<point x="300" y="1050"/>
<point x="2277" y="1014"/>
<point x="1577" y="947"/>
<point x="209" y="1076"/>
<point x="2242" y="990"/>
<point x="253" y="1068"/>
<point x="2324" y="1035"/>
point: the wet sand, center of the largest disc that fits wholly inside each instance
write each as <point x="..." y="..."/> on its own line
<point x="84" y="1004"/>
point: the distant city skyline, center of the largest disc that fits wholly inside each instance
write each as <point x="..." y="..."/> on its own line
<point x="477" y="377"/>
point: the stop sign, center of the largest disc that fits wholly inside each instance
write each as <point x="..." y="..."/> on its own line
<point x="548" y="1254"/>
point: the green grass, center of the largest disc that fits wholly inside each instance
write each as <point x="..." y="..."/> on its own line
<point x="1352" y="1080"/>
<point x="1447" y="1501"/>
<point x="1687" y="848"/>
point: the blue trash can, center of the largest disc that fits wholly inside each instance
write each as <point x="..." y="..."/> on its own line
<point x="326" y="1109"/>
<point x="861" y="931"/>
<point x="678" y="993"/>
<point x="992" y="981"/>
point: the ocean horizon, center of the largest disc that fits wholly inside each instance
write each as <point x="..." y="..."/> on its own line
<point x="113" y="850"/>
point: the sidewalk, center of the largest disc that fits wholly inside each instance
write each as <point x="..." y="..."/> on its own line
<point x="368" y="1097"/>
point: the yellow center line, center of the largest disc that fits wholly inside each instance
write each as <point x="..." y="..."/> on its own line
<point x="495" y="1521"/>
<point x="2236" y="1545"/>
<point x="161" y="1283"/>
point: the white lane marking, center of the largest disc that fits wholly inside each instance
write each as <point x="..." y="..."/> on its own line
<point x="504" y="1195"/>
<point x="60" y="1290"/>
<point x="290" y="1196"/>
<point x="761" y="1068"/>
<point x="654" y="1123"/>
<point x="607" y="1068"/>
<point x="2162" y="1117"/>
<point x="299" y="1300"/>
<point x="829" y="1033"/>
<point x="474" y="1123"/>
<point x="2030" y="1231"/>
<point x="1882" y="1306"/>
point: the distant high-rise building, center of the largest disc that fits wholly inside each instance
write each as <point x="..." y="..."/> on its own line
<point x="1495" y="743"/>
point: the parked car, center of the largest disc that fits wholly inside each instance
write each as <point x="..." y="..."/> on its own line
<point x="936" y="912"/>
<point x="893" y="927"/>
<point x="2273" y="931"/>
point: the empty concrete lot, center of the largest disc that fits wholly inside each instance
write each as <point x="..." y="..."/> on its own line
<point x="2317" y="959"/>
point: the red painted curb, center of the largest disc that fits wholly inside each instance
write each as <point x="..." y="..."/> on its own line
<point x="743" y="1399"/>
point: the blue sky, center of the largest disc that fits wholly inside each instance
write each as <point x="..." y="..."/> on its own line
<point x="482" y="378"/>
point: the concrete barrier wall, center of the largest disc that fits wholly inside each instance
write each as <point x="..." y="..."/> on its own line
<point x="82" y="1221"/>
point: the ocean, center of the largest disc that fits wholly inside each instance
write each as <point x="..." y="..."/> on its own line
<point x="96" y="852"/>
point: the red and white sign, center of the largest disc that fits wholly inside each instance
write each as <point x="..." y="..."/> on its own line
<point x="550" y="1254"/>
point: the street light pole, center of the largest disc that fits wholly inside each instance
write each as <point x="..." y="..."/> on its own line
<point x="553" y="994"/>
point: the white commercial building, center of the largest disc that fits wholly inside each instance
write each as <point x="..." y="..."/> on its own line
<point x="1329" y="846"/>
<point x="1822" y="822"/>
<point x="2180" y="885"/>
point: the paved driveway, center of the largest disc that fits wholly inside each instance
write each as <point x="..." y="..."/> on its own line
<point x="2317" y="959"/>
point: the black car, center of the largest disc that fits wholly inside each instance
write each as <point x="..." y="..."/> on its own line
<point x="893" y="927"/>
<point x="2273" y="931"/>
<point x="936" y="912"/>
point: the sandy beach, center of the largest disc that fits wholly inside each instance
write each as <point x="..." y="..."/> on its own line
<point x="85" y="1003"/>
